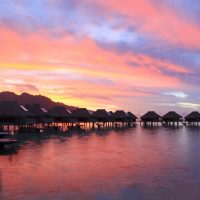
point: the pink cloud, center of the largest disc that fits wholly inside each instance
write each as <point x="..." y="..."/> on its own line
<point x="91" y="72"/>
<point x="157" y="19"/>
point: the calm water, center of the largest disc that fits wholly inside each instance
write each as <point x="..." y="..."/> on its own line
<point x="138" y="163"/>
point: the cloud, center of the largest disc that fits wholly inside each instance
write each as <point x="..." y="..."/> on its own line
<point x="189" y="105"/>
<point x="127" y="52"/>
<point x="185" y="8"/>
<point x="125" y="21"/>
<point x="176" y="94"/>
<point x="25" y="87"/>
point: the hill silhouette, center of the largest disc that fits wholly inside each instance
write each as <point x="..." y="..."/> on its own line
<point x="26" y="98"/>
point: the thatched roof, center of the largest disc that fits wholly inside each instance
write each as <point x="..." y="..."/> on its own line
<point x="120" y="114"/>
<point x="172" y="115"/>
<point x="150" y="115"/>
<point x="110" y="113"/>
<point x="81" y="113"/>
<point x="101" y="113"/>
<point x="12" y="109"/>
<point x="37" y="110"/>
<point x="59" y="111"/>
<point x="131" y="115"/>
<point x="193" y="116"/>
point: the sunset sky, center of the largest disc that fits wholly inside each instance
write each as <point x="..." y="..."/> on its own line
<point x="136" y="55"/>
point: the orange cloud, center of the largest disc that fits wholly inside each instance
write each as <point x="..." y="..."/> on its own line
<point x="78" y="72"/>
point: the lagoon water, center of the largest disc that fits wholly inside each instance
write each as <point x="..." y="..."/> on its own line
<point x="123" y="164"/>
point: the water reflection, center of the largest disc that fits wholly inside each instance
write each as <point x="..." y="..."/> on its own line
<point x="138" y="163"/>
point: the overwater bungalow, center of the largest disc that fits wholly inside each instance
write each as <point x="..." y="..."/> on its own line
<point x="131" y="117"/>
<point x="82" y="115"/>
<point x="60" y="114"/>
<point x="101" y="115"/>
<point x="61" y="117"/>
<point x="192" y="119"/>
<point x="151" y="118"/>
<point x="15" y="115"/>
<point x="40" y="114"/>
<point x="172" y="119"/>
<point x="103" y="118"/>
<point x="120" y="117"/>
<point x="110" y="112"/>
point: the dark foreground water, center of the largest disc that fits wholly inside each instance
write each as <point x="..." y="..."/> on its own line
<point x="134" y="164"/>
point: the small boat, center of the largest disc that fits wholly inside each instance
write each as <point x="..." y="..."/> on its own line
<point x="5" y="134"/>
<point x="6" y="140"/>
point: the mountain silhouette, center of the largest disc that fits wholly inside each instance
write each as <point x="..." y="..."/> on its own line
<point x="26" y="98"/>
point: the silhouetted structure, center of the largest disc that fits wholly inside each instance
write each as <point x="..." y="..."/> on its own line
<point x="61" y="117"/>
<point x="111" y="112"/>
<point x="38" y="118"/>
<point x="40" y="114"/>
<point x="13" y="114"/>
<point x="82" y="118"/>
<point x="102" y="118"/>
<point x="172" y="119"/>
<point x="82" y="115"/>
<point x="101" y="115"/>
<point x="60" y="114"/>
<point x="151" y="118"/>
<point x="193" y="119"/>
<point x="120" y="117"/>
<point x="131" y="117"/>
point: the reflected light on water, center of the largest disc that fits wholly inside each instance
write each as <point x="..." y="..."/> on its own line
<point x="131" y="164"/>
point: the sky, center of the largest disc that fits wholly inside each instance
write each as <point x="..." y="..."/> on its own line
<point x="135" y="55"/>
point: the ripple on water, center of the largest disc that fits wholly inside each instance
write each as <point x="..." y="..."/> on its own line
<point x="137" y="163"/>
